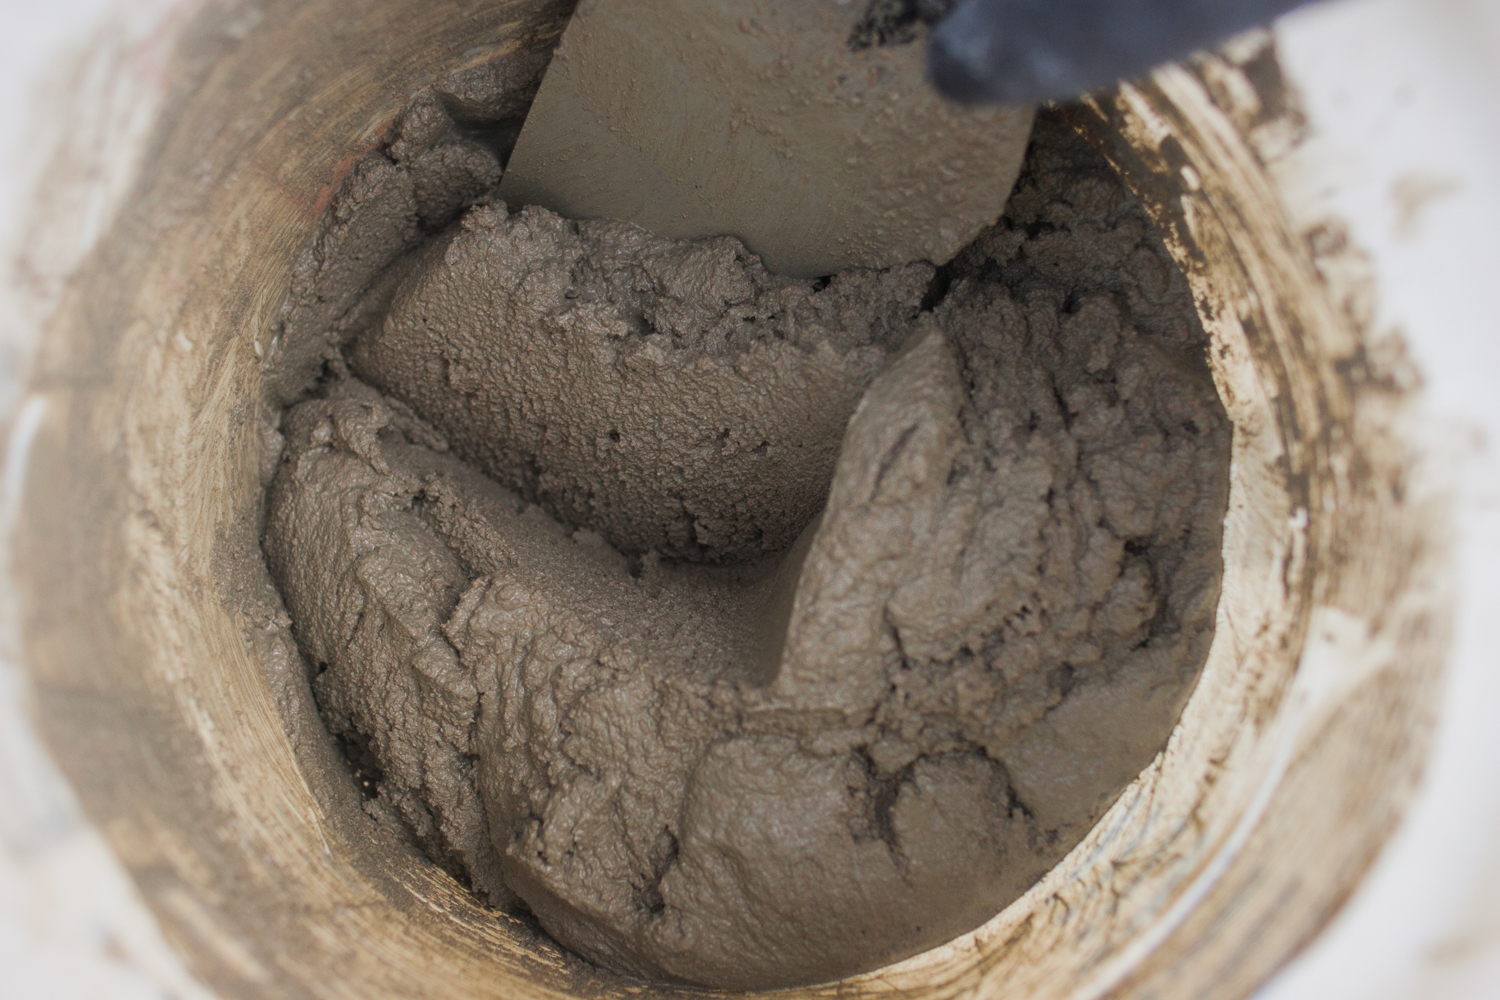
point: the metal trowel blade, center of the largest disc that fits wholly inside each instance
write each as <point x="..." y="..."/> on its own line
<point x="761" y="120"/>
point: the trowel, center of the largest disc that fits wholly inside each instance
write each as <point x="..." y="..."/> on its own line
<point x="775" y="121"/>
<point x="824" y="133"/>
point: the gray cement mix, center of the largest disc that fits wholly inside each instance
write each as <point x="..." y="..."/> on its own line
<point x="750" y="631"/>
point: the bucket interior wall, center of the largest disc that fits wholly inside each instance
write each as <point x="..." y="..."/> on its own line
<point x="177" y="708"/>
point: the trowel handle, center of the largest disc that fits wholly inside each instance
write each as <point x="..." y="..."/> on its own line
<point x="1022" y="51"/>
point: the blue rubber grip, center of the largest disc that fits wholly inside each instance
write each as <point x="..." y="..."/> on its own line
<point x="1023" y="51"/>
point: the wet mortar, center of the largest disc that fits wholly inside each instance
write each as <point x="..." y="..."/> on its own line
<point x="584" y="670"/>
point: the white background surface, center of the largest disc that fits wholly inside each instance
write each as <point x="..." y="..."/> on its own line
<point x="1402" y="96"/>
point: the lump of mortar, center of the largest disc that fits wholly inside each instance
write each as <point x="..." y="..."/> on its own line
<point x="368" y="587"/>
<point x="791" y="767"/>
<point x="445" y="154"/>
<point x="621" y="379"/>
